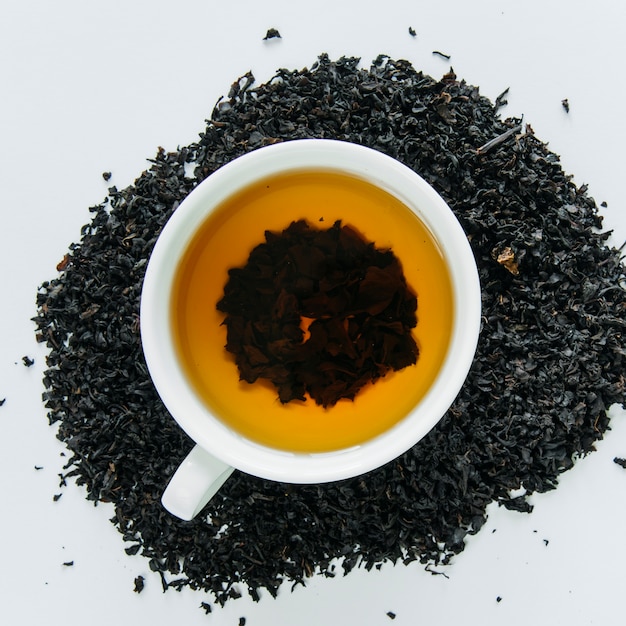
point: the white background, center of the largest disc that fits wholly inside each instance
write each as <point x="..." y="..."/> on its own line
<point x="88" y="87"/>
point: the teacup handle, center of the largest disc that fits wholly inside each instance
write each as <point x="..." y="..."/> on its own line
<point x="194" y="483"/>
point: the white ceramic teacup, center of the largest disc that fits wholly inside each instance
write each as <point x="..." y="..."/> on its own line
<point x="220" y="449"/>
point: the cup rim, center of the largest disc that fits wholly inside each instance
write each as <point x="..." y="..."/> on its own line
<point x="196" y="419"/>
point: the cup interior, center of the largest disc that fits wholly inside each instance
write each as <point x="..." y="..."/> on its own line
<point x="203" y="422"/>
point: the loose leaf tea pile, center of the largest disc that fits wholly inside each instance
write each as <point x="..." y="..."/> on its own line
<point x="353" y="296"/>
<point x="550" y="360"/>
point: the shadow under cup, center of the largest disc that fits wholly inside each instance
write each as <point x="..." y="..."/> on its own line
<point x="215" y="228"/>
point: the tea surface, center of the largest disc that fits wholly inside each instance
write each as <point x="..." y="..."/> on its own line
<point x="225" y="241"/>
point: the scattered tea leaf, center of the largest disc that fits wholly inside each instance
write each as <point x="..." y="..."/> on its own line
<point x="63" y="263"/>
<point x="428" y="568"/>
<point x="550" y="358"/>
<point x="272" y="33"/>
<point x="501" y="138"/>
<point x="139" y="584"/>
<point x="501" y="99"/>
<point x="506" y="258"/>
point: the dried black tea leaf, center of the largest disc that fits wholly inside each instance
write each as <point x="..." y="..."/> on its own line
<point x="2" y="401"/>
<point x="428" y="568"/>
<point x="139" y="584"/>
<point x="506" y="258"/>
<point x="272" y="33"/>
<point x="565" y="104"/>
<point x="412" y="32"/>
<point x="501" y="138"/>
<point x="550" y="358"/>
<point x="63" y="263"/>
<point x="355" y="299"/>
<point x="447" y="57"/>
<point x="621" y="462"/>
<point x="68" y="563"/>
<point x="106" y="175"/>
<point x="501" y="99"/>
<point x="28" y="361"/>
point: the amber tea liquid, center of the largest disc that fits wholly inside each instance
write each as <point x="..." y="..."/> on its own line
<point x="226" y="239"/>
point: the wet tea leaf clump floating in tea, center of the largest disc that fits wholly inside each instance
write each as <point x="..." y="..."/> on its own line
<point x="358" y="309"/>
